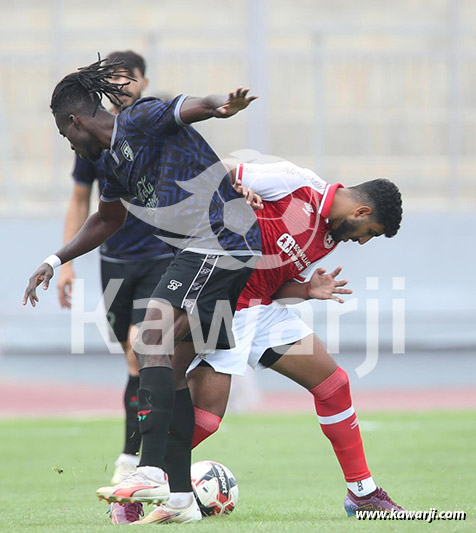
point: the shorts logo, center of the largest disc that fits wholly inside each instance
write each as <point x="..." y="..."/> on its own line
<point x="127" y="151"/>
<point x="174" y="285"/>
<point x="196" y="286"/>
<point x="328" y="240"/>
<point x="205" y="270"/>
<point x="286" y="242"/>
<point x="188" y="303"/>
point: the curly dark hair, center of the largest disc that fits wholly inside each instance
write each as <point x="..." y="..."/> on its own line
<point x="131" y="60"/>
<point x="84" y="89"/>
<point x="384" y="197"/>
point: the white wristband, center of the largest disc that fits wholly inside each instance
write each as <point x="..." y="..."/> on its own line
<point x="53" y="260"/>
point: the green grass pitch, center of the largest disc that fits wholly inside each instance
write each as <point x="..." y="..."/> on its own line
<point x="288" y="477"/>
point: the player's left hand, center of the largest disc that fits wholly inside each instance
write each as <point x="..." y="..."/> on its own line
<point x="237" y="101"/>
<point x="252" y="199"/>
<point x="324" y="286"/>
<point x="42" y="274"/>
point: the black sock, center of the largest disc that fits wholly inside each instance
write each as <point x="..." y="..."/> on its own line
<point x="156" y="402"/>
<point x="133" y="438"/>
<point x="179" y="444"/>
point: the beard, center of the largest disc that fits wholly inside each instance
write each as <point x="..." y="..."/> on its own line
<point x="344" y="230"/>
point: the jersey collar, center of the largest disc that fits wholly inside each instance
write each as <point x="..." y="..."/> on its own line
<point x="328" y="199"/>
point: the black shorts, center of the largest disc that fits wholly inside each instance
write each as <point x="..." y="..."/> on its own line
<point x="207" y="287"/>
<point x="139" y="281"/>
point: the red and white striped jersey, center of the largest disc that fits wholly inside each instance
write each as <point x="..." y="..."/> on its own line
<point x="295" y="233"/>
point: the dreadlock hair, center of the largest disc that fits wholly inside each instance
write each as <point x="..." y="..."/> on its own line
<point x="84" y="89"/>
<point x="130" y="61"/>
<point x="385" y="200"/>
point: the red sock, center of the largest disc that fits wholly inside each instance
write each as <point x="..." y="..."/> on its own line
<point x="340" y="425"/>
<point x="205" y="425"/>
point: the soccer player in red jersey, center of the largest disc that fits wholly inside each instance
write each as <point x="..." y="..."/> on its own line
<point x="302" y="221"/>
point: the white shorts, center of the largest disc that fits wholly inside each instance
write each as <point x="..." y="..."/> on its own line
<point x="255" y="329"/>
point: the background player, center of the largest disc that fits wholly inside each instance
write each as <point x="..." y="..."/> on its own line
<point x="134" y="255"/>
<point x="302" y="221"/>
<point x="152" y="149"/>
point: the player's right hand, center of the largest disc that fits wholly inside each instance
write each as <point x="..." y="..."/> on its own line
<point x="42" y="274"/>
<point x="237" y="101"/>
<point x="65" y="285"/>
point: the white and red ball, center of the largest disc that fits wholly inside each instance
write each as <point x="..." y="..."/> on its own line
<point x="215" y="488"/>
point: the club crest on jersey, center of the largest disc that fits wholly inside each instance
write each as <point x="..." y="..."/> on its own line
<point x="328" y="240"/>
<point x="127" y="151"/>
<point x="286" y="242"/>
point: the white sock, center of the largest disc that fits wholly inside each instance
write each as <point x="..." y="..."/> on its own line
<point x="127" y="458"/>
<point x="362" y="488"/>
<point x="152" y="472"/>
<point x="180" y="499"/>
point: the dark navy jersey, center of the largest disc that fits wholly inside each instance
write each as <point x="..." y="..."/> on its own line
<point x="179" y="180"/>
<point x="136" y="240"/>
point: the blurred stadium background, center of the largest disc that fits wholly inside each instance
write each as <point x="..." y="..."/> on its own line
<point x="353" y="90"/>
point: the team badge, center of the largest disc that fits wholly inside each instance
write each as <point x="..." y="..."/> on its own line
<point x="328" y="240"/>
<point x="127" y="151"/>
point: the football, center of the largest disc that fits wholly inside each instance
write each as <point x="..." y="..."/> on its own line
<point x="215" y="488"/>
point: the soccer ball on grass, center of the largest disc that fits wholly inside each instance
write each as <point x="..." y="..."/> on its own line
<point x="215" y="488"/>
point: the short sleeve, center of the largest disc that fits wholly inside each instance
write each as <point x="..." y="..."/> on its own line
<point x="273" y="181"/>
<point x="157" y="117"/>
<point x="84" y="172"/>
<point x="113" y="190"/>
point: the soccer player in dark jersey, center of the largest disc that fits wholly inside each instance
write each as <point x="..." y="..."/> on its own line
<point x="133" y="254"/>
<point x="154" y="154"/>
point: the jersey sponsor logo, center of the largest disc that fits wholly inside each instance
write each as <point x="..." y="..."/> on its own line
<point x="127" y="151"/>
<point x="288" y="245"/>
<point x="328" y="240"/>
<point x="147" y="195"/>
<point x="286" y="242"/>
<point x="174" y="285"/>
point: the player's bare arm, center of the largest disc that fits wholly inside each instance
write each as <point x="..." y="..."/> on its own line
<point x="76" y="216"/>
<point x="321" y="286"/>
<point x="97" y="228"/>
<point x="218" y="106"/>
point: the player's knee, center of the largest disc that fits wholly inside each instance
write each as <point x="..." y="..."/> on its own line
<point x="336" y="383"/>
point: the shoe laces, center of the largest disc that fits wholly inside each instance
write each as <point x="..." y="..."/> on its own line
<point x="133" y="510"/>
<point x="382" y="495"/>
<point x="133" y="477"/>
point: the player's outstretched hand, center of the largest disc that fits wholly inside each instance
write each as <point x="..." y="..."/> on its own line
<point x="252" y="199"/>
<point x="325" y="286"/>
<point x="42" y="274"/>
<point x="237" y="101"/>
